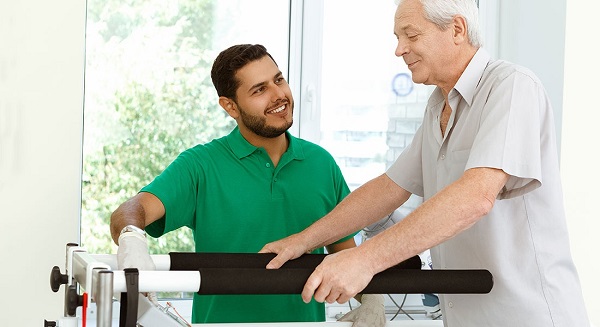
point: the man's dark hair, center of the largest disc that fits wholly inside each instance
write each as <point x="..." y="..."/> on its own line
<point x="229" y="61"/>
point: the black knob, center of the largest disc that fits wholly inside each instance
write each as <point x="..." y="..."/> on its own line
<point x="57" y="279"/>
<point x="49" y="323"/>
<point x="74" y="300"/>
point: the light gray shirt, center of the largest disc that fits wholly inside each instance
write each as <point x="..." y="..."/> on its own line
<point x="501" y="118"/>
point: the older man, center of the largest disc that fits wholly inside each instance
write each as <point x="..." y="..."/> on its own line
<point x="486" y="163"/>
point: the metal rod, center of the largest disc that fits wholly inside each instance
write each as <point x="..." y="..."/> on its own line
<point x="104" y="295"/>
<point x="160" y="281"/>
<point x="71" y="280"/>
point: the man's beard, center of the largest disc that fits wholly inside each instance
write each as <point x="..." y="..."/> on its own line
<point x="258" y="124"/>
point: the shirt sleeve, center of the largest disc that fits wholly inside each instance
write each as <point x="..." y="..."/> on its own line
<point x="176" y="188"/>
<point x="509" y="134"/>
<point x="407" y="170"/>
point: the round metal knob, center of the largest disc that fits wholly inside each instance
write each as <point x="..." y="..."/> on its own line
<point x="57" y="279"/>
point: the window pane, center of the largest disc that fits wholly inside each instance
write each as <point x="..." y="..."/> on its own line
<point x="370" y="108"/>
<point x="149" y="95"/>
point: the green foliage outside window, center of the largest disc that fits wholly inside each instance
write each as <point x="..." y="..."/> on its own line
<point x="148" y="97"/>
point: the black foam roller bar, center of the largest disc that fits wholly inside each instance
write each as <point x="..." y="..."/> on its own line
<point x="245" y="273"/>
<point x="215" y="281"/>
<point x="195" y="261"/>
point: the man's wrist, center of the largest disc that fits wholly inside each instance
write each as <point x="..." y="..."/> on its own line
<point x="132" y="228"/>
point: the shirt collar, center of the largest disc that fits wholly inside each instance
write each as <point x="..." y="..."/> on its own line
<point x="468" y="81"/>
<point x="242" y="148"/>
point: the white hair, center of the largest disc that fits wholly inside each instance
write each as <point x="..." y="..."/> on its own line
<point x="441" y="13"/>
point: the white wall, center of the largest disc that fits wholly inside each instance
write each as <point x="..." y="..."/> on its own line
<point x="579" y="160"/>
<point x="41" y="89"/>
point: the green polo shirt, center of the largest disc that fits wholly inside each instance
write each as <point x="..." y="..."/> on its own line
<point x="234" y="199"/>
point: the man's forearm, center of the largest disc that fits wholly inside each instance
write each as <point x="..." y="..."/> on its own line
<point x="366" y="205"/>
<point x="448" y="213"/>
<point x="129" y="213"/>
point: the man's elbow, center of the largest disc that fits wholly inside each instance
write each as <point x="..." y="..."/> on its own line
<point x="114" y="227"/>
<point x="484" y="184"/>
<point x="484" y="205"/>
<point x="117" y="222"/>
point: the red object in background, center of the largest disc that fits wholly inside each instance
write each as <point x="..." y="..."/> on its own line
<point x="84" y="310"/>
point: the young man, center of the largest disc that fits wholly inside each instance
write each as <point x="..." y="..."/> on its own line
<point x="239" y="192"/>
<point x="486" y="163"/>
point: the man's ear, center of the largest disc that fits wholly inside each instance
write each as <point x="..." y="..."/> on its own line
<point x="229" y="106"/>
<point x="460" y="28"/>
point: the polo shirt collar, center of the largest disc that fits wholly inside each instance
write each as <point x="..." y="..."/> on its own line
<point x="468" y="81"/>
<point x="242" y="148"/>
<point x="295" y="150"/>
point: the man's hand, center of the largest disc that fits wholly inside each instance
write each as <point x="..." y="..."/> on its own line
<point x="286" y="249"/>
<point x="339" y="277"/>
<point x="370" y="313"/>
<point x="133" y="253"/>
